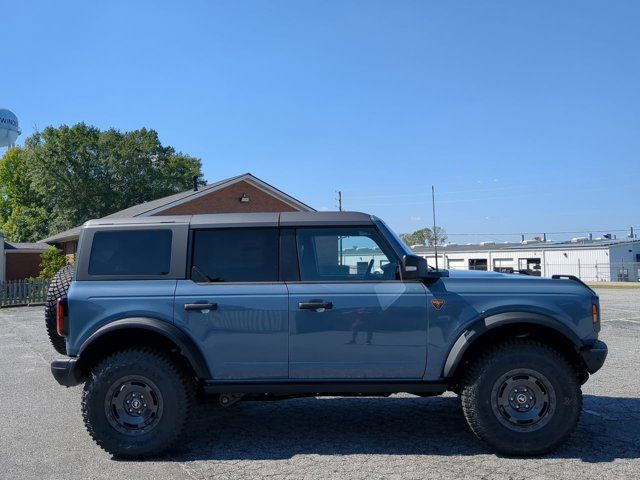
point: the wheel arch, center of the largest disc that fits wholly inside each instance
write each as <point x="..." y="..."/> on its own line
<point x="499" y="327"/>
<point x="141" y="331"/>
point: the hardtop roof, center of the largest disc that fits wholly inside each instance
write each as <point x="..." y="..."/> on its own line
<point x="260" y="219"/>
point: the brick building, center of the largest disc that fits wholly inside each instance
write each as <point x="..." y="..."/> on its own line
<point x="243" y="193"/>
<point x="20" y="260"/>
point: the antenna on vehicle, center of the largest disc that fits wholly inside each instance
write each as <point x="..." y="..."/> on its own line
<point x="435" y="235"/>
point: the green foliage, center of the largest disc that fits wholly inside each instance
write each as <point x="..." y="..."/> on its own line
<point x="23" y="216"/>
<point x="51" y="261"/>
<point x="425" y="236"/>
<point x="419" y="237"/>
<point x="64" y="176"/>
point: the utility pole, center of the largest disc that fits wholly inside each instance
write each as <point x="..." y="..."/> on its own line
<point x="435" y="236"/>
<point x="340" y="260"/>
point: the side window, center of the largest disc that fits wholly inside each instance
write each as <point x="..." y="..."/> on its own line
<point x="131" y="252"/>
<point x="235" y="255"/>
<point x="344" y="254"/>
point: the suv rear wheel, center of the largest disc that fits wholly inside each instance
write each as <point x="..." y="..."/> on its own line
<point x="137" y="402"/>
<point x="522" y="398"/>
<point x="58" y="287"/>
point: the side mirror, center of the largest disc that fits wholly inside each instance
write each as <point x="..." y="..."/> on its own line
<point x="415" y="267"/>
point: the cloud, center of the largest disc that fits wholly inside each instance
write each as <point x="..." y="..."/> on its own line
<point x="415" y="219"/>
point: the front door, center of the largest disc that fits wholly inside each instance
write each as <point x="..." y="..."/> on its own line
<point x="351" y="317"/>
<point x="234" y="306"/>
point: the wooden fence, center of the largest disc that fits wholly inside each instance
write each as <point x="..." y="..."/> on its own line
<point x="23" y="292"/>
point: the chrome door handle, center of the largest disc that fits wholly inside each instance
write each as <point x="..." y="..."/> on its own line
<point x="202" y="307"/>
<point x="318" y="306"/>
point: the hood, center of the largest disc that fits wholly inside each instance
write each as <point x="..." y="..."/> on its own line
<point x="495" y="281"/>
<point x="487" y="274"/>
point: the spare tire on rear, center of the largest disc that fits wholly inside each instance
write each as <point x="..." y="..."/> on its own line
<point x="58" y="287"/>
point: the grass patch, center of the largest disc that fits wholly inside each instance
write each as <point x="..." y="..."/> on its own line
<point x="616" y="285"/>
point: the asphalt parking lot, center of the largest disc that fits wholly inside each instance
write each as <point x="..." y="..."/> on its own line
<point x="42" y="435"/>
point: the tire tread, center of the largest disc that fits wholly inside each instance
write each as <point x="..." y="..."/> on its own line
<point x="125" y="358"/>
<point x="472" y="403"/>
<point x="58" y="287"/>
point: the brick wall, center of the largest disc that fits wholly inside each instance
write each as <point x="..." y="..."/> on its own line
<point x="69" y="249"/>
<point x="22" y="265"/>
<point x="227" y="200"/>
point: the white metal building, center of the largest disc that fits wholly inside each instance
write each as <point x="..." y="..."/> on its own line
<point x="357" y="259"/>
<point x="599" y="260"/>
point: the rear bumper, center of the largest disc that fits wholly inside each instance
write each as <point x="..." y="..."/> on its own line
<point x="594" y="356"/>
<point x="66" y="372"/>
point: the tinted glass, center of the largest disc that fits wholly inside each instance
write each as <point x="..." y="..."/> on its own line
<point x="235" y="255"/>
<point x="131" y="252"/>
<point x="344" y="254"/>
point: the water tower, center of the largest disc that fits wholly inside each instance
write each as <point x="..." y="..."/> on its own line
<point x="9" y="128"/>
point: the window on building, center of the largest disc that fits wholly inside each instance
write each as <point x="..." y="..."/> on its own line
<point x="131" y="252"/>
<point x="504" y="265"/>
<point x="531" y="265"/>
<point x="344" y="254"/>
<point x="478" y="264"/>
<point x="235" y="255"/>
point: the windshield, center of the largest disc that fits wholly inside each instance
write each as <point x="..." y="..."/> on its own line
<point x="394" y="237"/>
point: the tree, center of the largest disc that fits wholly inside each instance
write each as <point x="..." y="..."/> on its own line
<point x="438" y="237"/>
<point x="23" y="216"/>
<point x="419" y="237"/>
<point x="64" y="176"/>
<point x="425" y="236"/>
<point x="51" y="261"/>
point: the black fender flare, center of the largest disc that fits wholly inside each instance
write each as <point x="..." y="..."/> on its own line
<point x="482" y="325"/>
<point x="187" y="346"/>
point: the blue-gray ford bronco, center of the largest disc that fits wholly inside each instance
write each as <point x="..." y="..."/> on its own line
<point x="159" y="312"/>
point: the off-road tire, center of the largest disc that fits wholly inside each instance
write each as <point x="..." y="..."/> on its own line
<point x="488" y="372"/>
<point x="176" y="390"/>
<point x="58" y="287"/>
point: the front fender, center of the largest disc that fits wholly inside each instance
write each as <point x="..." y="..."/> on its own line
<point x="483" y="325"/>
<point x="185" y="343"/>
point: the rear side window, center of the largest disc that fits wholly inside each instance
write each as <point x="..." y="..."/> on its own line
<point x="235" y="255"/>
<point x="131" y="252"/>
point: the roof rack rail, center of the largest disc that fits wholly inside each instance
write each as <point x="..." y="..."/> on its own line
<point x="573" y="278"/>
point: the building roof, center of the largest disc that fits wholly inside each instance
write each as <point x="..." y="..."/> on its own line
<point x="70" y="234"/>
<point x="530" y="245"/>
<point x="25" y="246"/>
<point x="153" y="207"/>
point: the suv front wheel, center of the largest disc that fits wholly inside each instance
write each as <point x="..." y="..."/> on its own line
<point x="522" y="398"/>
<point x="137" y="402"/>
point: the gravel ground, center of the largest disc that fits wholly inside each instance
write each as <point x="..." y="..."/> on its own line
<point x="42" y="436"/>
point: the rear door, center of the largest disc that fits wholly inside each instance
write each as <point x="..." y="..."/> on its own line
<point x="351" y="316"/>
<point x="233" y="303"/>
